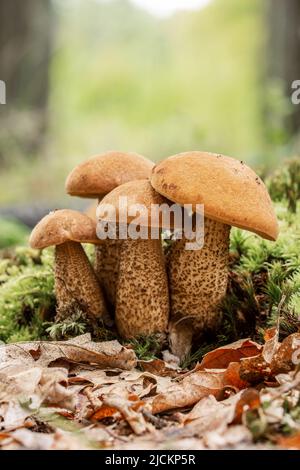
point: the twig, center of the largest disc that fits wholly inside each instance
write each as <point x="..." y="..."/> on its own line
<point x="159" y="423"/>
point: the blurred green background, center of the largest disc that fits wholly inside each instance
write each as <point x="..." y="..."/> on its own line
<point x="85" y="76"/>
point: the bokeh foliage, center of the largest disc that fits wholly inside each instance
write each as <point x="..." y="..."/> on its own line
<point x="122" y="79"/>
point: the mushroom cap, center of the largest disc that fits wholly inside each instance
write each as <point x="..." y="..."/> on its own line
<point x="61" y="226"/>
<point x="231" y="192"/>
<point x="136" y="192"/>
<point x="100" y="174"/>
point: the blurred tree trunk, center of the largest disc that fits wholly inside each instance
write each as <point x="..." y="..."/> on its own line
<point x="283" y="53"/>
<point x="25" y="48"/>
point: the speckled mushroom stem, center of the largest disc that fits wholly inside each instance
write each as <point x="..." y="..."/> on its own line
<point x="198" y="282"/>
<point x="76" y="281"/>
<point x="107" y="267"/>
<point x="142" y="303"/>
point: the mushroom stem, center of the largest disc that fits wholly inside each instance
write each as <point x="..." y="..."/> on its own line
<point x="198" y="282"/>
<point x="107" y="267"/>
<point x="76" y="281"/>
<point x="142" y="303"/>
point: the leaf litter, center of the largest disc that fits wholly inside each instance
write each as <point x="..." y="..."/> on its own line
<point x="79" y="394"/>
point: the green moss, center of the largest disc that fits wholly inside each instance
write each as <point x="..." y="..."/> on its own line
<point x="27" y="299"/>
<point x="146" y="347"/>
<point x="26" y="294"/>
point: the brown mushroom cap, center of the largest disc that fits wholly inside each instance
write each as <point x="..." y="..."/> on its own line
<point x="137" y="192"/>
<point x="231" y="192"/>
<point x="99" y="175"/>
<point x="62" y="226"/>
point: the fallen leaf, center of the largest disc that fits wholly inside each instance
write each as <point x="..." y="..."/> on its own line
<point x="288" y="355"/>
<point x="271" y="344"/>
<point x="237" y="437"/>
<point x="53" y="388"/>
<point x="12" y="415"/>
<point x="103" y="412"/>
<point x="255" y="370"/>
<point x="221" y="357"/>
<point x="158" y="367"/>
<point x="108" y="354"/>
<point x="249" y="400"/>
<point x="188" y="392"/>
<point x="135" y="419"/>
<point x="258" y="368"/>
<point x="232" y="376"/>
<point x="19" y="380"/>
<point x="289" y="442"/>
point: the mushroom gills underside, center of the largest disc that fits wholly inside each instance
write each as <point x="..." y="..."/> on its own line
<point x="142" y="302"/>
<point x="198" y="282"/>
<point x="77" y="283"/>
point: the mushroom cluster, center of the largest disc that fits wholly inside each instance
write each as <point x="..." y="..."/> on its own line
<point x="133" y="282"/>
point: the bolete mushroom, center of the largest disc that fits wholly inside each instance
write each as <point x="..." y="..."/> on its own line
<point x="142" y="297"/>
<point x="94" y="178"/>
<point x="232" y="195"/>
<point x="75" y="279"/>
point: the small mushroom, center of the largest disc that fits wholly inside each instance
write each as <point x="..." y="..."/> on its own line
<point x="94" y="178"/>
<point x="142" y="297"/>
<point x="75" y="279"/>
<point x="232" y="195"/>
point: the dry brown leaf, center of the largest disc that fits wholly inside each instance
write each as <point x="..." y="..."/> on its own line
<point x="12" y="415"/>
<point x="28" y="440"/>
<point x="249" y="400"/>
<point x="134" y="418"/>
<point x="258" y="369"/>
<point x="232" y="376"/>
<point x="271" y="344"/>
<point x="221" y="357"/>
<point x="289" y="442"/>
<point x="275" y="358"/>
<point x="101" y="435"/>
<point x="53" y="388"/>
<point x="103" y="412"/>
<point x="255" y="370"/>
<point x="158" y="367"/>
<point x="236" y="437"/>
<point x="108" y="354"/>
<point x="188" y="392"/>
<point x="19" y="380"/>
<point x="210" y="414"/>
<point x="288" y="355"/>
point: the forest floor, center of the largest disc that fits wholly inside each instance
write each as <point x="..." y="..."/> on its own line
<point x="80" y="394"/>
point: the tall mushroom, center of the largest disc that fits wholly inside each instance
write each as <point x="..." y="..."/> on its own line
<point x="75" y="279"/>
<point x="142" y="298"/>
<point x="96" y="177"/>
<point x="232" y="195"/>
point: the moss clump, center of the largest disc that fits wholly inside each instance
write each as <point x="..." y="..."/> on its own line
<point x="146" y="347"/>
<point x="27" y="300"/>
<point x="26" y="294"/>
